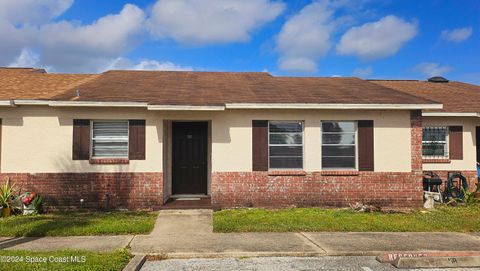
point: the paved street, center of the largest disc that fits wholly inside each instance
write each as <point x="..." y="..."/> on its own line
<point x="275" y="264"/>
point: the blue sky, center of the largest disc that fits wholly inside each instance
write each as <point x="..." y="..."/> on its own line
<point x="365" y="38"/>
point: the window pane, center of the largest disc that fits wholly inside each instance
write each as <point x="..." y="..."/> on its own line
<point x="110" y="149"/>
<point x="338" y="151"/>
<point x="433" y="149"/>
<point x="338" y="162"/>
<point x="285" y="138"/>
<point x="338" y="138"/>
<point x="286" y="151"/>
<point x="110" y="139"/>
<point x="338" y="126"/>
<point x="434" y="134"/>
<point x="286" y="127"/>
<point x="338" y="144"/>
<point x="110" y="129"/>
<point x="286" y="162"/>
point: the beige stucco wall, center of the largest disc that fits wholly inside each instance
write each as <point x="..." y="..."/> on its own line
<point x="469" y="144"/>
<point x="39" y="139"/>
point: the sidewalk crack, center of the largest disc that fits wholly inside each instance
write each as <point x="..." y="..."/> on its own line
<point x="130" y="242"/>
<point x="311" y="241"/>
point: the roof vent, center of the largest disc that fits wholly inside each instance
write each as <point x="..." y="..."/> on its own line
<point x="438" y="79"/>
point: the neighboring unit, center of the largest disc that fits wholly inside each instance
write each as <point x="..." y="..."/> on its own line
<point x="450" y="135"/>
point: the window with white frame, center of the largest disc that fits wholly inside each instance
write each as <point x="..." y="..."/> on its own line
<point x="434" y="142"/>
<point x="285" y="144"/>
<point x="109" y="139"/>
<point x="339" y="150"/>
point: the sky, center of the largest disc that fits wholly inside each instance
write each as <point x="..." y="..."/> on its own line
<point x="389" y="39"/>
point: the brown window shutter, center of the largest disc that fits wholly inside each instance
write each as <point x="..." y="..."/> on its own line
<point x="456" y="142"/>
<point x="81" y="139"/>
<point x="136" y="139"/>
<point x="260" y="145"/>
<point x="365" y="145"/>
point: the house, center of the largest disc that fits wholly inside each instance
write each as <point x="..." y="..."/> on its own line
<point x="137" y="139"/>
<point x="450" y="134"/>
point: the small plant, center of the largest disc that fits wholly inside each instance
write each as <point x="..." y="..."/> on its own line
<point x="33" y="203"/>
<point x="6" y="197"/>
<point x="469" y="197"/>
<point x="38" y="204"/>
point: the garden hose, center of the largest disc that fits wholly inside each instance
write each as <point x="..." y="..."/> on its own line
<point x="455" y="192"/>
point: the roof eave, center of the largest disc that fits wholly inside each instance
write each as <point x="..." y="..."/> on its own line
<point x="450" y="114"/>
<point x="331" y="106"/>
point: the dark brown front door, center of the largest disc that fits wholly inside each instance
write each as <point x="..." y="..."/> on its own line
<point x="189" y="155"/>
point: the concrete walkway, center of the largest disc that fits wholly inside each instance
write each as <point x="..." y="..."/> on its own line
<point x="94" y="243"/>
<point x="188" y="233"/>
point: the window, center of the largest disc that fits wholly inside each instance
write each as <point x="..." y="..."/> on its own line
<point x="110" y="139"/>
<point x="285" y="144"/>
<point x="339" y="145"/>
<point x="434" y="142"/>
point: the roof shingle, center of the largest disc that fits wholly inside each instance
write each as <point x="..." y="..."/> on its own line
<point x="455" y="96"/>
<point x="219" y="88"/>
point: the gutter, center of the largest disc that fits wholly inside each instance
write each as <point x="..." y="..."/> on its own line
<point x="11" y="103"/>
<point x="96" y="104"/>
<point x="186" y="107"/>
<point x="7" y="103"/>
<point x="450" y="114"/>
<point x="331" y="106"/>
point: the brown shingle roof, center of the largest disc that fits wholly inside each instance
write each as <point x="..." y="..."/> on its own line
<point x="218" y="88"/>
<point x="31" y="84"/>
<point x="455" y="96"/>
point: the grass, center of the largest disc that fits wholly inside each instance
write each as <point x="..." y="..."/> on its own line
<point x="78" y="223"/>
<point x="17" y="260"/>
<point x="454" y="219"/>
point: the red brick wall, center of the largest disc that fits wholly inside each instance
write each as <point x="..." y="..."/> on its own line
<point x="99" y="190"/>
<point x="259" y="189"/>
<point x="416" y="140"/>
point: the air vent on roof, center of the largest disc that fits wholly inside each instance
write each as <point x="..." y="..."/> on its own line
<point x="438" y="79"/>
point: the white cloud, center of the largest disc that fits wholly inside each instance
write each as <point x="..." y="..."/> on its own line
<point x="363" y="72"/>
<point x="430" y="69"/>
<point x="210" y="21"/>
<point x="458" y="34"/>
<point x="377" y="39"/>
<point x="27" y="58"/>
<point x="12" y="41"/>
<point x="32" y="11"/>
<point x="71" y="47"/>
<point x="305" y="37"/>
<point x="145" y="64"/>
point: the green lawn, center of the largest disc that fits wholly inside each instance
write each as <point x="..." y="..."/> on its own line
<point x="78" y="223"/>
<point x="457" y="219"/>
<point x="21" y="260"/>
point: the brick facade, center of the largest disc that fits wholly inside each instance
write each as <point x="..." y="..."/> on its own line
<point x="260" y="189"/>
<point x="98" y="190"/>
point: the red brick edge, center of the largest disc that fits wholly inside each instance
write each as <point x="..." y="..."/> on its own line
<point x="340" y="173"/>
<point x="109" y="161"/>
<point x="436" y="161"/>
